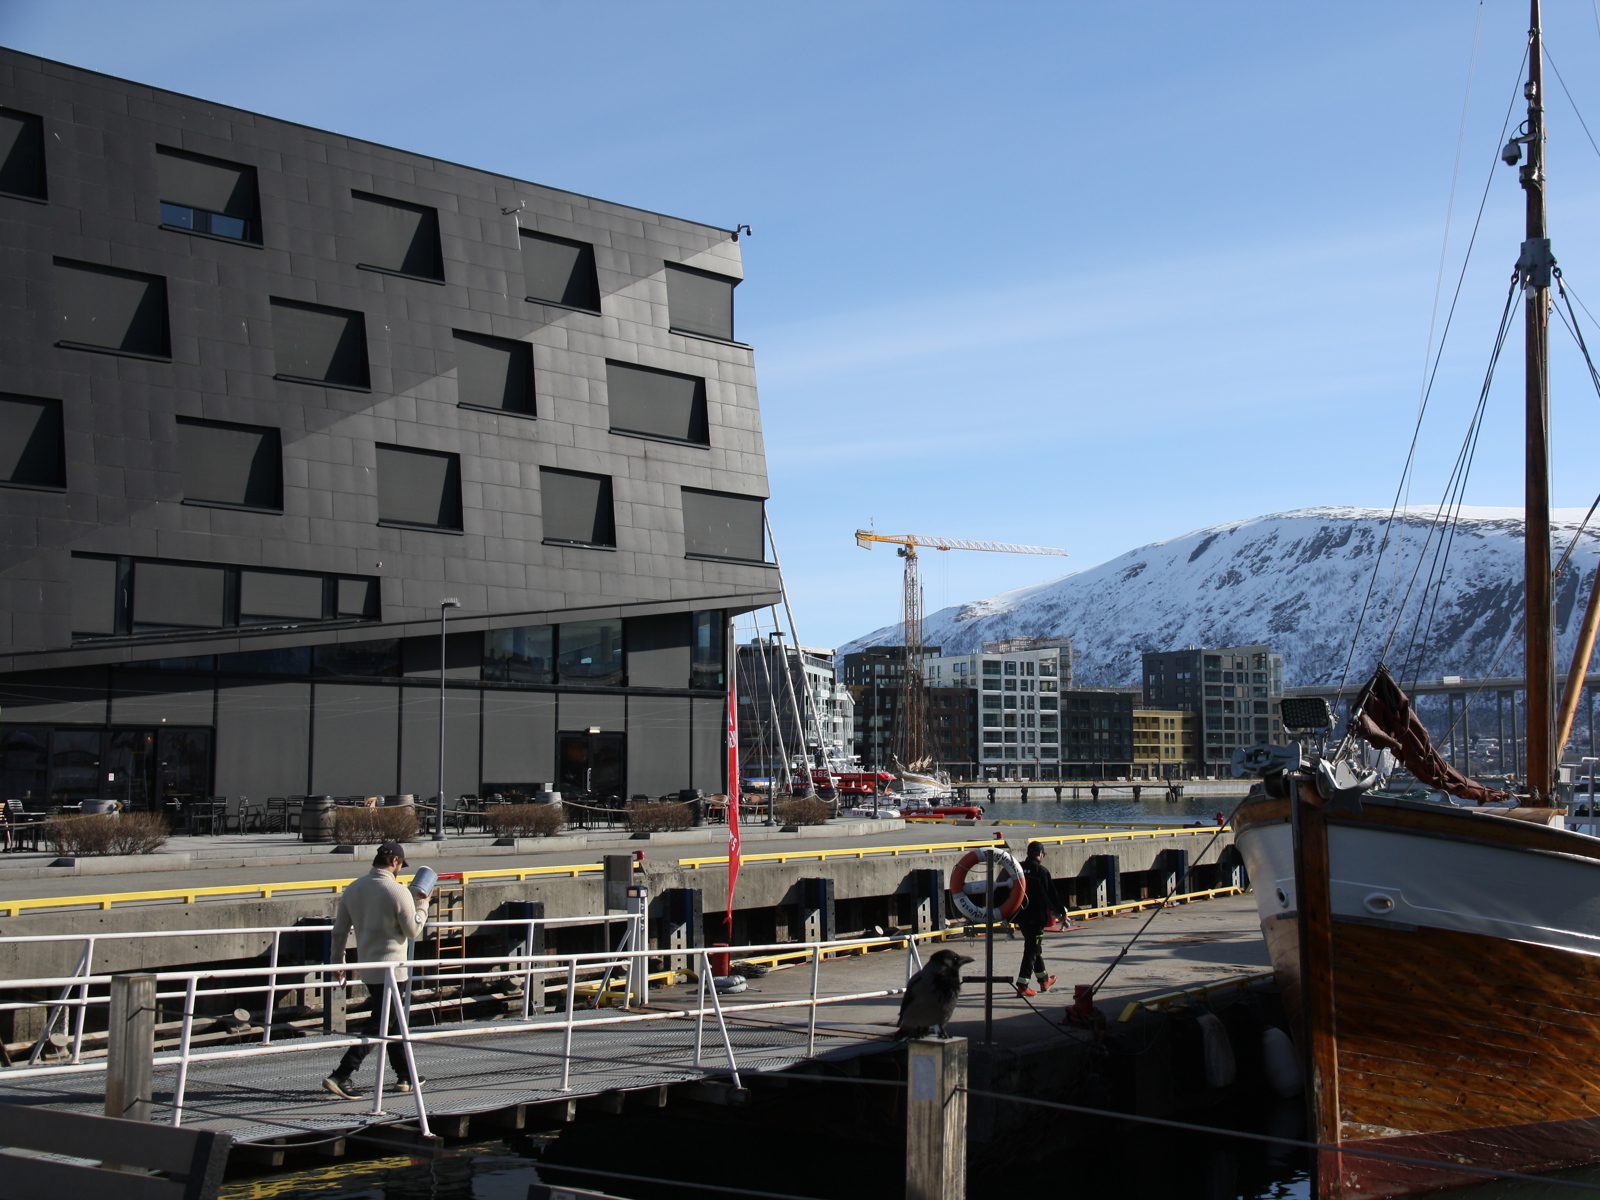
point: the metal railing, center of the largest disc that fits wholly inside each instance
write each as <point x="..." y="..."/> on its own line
<point x="532" y="972"/>
<point x="1587" y="818"/>
<point x="394" y="1025"/>
<point x="267" y="891"/>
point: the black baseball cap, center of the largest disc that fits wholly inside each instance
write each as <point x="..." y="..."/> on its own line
<point x="391" y="850"/>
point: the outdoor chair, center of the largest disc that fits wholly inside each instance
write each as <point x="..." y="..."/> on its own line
<point x="250" y="815"/>
<point x="297" y="806"/>
<point x="275" y="817"/>
<point x="22" y="826"/>
<point x="232" y="814"/>
<point x="206" y="817"/>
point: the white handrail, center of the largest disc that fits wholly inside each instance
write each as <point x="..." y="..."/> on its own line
<point x="634" y="959"/>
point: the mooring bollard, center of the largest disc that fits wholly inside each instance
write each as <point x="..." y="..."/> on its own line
<point x="131" y="1048"/>
<point x="936" y="1119"/>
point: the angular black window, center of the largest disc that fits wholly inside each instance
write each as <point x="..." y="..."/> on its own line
<point x="175" y="595"/>
<point x="22" y="154"/>
<point x="208" y="195"/>
<point x="419" y="488"/>
<point x="313" y="344"/>
<point x="560" y="271"/>
<point x="577" y="508"/>
<point x="119" y="312"/>
<point x="494" y="373"/>
<point x="270" y="596"/>
<point x="700" y="302"/>
<point x="397" y="238"/>
<point x="356" y="598"/>
<point x="719" y="525"/>
<point x="32" y="446"/>
<point x="237" y="465"/>
<point x="94" y="596"/>
<point x="661" y="404"/>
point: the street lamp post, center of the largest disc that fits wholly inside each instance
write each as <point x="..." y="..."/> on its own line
<point x="438" y="816"/>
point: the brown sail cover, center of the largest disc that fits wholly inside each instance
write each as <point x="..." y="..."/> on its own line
<point x="1386" y="720"/>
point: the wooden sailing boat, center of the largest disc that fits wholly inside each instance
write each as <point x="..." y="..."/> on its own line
<point x="1441" y="964"/>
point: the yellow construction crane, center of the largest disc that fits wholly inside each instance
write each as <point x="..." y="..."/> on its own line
<point x="911" y="729"/>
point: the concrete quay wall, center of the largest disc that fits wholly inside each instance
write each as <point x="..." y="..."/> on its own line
<point x="764" y="888"/>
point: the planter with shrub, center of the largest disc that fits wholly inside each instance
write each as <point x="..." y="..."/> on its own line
<point x="369" y="826"/>
<point x="802" y="810"/>
<point x="658" y="816"/>
<point x="107" y="833"/>
<point x="524" y="820"/>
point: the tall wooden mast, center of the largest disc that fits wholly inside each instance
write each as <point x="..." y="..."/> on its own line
<point x="1534" y="266"/>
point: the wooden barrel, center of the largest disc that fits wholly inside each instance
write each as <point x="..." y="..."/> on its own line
<point x="316" y="819"/>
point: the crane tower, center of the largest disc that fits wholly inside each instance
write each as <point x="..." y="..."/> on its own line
<point x="910" y="733"/>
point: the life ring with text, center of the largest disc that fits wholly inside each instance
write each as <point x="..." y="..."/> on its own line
<point x="1008" y="882"/>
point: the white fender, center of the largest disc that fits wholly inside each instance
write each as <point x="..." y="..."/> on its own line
<point x="1282" y="1063"/>
<point x="1220" y="1068"/>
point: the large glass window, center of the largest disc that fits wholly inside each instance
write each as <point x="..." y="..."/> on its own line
<point x="380" y="657"/>
<point x="591" y="652"/>
<point x="24" y="761"/>
<point x="991" y="666"/>
<point x="295" y="660"/>
<point x="525" y="654"/>
<point x="706" y="664"/>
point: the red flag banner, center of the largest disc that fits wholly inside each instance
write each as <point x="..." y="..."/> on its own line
<point x="733" y="799"/>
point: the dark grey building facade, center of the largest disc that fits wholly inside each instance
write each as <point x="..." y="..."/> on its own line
<point x="1237" y="690"/>
<point x="272" y="394"/>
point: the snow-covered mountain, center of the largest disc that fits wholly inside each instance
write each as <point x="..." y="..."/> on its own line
<point x="1297" y="580"/>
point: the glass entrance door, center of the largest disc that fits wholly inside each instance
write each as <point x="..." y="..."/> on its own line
<point x="75" y="765"/>
<point x="183" y="765"/>
<point x="129" y="764"/>
<point x="593" y="763"/>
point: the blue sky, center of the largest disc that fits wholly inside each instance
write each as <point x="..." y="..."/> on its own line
<point x="1071" y="274"/>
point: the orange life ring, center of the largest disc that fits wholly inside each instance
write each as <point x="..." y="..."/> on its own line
<point x="1005" y="865"/>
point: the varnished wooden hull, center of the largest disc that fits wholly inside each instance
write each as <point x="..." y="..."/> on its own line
<point x="1464" y="970"/>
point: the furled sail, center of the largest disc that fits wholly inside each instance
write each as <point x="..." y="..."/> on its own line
<point x="1385" y="719"/>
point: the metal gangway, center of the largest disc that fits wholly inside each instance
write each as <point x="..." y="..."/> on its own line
<point x="605" y="1037"/>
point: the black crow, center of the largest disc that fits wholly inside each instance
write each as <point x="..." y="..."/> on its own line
<point x="931" y="996"/>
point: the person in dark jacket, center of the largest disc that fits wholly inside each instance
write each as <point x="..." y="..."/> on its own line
<point x="1037" y="909"/>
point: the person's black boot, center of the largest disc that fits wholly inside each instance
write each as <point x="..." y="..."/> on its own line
<point x="342" y="1088"/>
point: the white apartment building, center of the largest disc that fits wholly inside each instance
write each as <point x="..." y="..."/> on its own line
<point x="1019" y="682"/>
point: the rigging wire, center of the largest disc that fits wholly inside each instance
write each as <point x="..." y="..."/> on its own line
<point x="1416" y="432"/>
<point x="1454" y="484"/>
<point x="1551" y="60"/>
<point x="1441" y="559"/>
<point x="1569" y="318"/>
<point x="1438" y="283"/>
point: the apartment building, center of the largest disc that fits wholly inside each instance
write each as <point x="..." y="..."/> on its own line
<point x="1234" y="693"/>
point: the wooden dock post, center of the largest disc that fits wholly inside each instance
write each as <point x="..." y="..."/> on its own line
<point x="936" y="1119"/>
<point x="132" y="1046"/>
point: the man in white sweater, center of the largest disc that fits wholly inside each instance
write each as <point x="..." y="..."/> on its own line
<point x="386" y="916"/>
